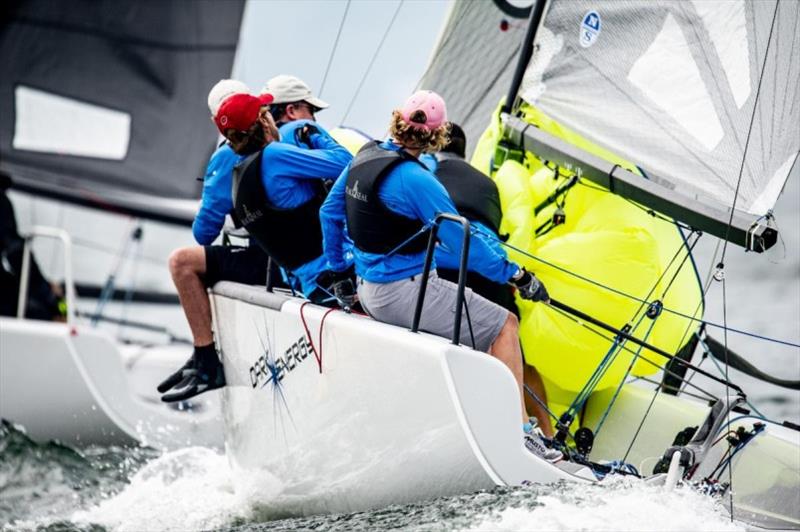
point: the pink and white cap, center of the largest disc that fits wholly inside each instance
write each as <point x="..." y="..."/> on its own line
<point x="433" y="109"/>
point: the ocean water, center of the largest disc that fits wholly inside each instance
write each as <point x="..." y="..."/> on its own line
<point x="52" y="488"/>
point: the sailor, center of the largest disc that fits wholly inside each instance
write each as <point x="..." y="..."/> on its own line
<point x="476" y="198"/>
<point x="385" y="198"/>
<point x="293" y="101"/>
<point x="196" y="268"/>
<point x="294" y="109"/>
<point x="281" y="185"/>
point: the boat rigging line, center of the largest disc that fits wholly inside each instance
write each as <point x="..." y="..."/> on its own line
<point x="721" y="265"/>
<point x="124" y="322"/>
<point x="626" y="336"/>
<point x="371" y="63"/>
<point x="134" y="241"/>
<point x="636" y="354"/>
<point x="653" y="312"/>
<point x="333" y="49"/>
<point x="630" y="296"/>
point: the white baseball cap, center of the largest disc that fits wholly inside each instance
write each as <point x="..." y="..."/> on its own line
<point x="287" y="89"/>
<point x="223" y="89"/>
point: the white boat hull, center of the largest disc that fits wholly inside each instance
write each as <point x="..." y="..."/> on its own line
<point x="393" y="417"/>
<point x="397" y="417"/>
<point x="77" y="385"/>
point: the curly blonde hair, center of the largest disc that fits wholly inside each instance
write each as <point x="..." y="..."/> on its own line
<point x="412" y="136"/>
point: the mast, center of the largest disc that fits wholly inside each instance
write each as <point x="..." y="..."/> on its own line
<point x="525" y="54"/>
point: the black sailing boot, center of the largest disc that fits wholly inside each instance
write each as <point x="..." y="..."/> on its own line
<point x="201" y="373"/>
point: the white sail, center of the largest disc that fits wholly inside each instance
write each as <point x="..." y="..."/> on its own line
<point x="678" y="87"/>
<point x="473" y="62"/>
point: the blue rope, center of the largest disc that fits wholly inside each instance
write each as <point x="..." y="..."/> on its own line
<point x="409" y="239"/>
<point x="624" y="378"/>
<point x="634" y="298"/>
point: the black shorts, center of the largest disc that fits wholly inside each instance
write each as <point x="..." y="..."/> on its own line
<point x="246" y="265"/>
<point x="502" y="294"/>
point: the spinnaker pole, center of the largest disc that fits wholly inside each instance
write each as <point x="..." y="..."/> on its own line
<point x="525" y="54"/>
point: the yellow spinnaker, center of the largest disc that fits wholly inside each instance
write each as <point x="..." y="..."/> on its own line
<point x="606" y="239"/>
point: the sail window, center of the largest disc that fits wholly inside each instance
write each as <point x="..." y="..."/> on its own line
<point x="726" y="24"/>
<point x="667" y="74"/>
<point x="51" y="123"/>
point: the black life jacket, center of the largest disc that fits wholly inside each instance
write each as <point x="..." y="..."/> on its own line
<point x="475" y="196"/>
<point x="292" y="237"/>
<point x="372" y="226"/>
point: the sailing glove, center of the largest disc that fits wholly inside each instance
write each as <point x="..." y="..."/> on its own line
<point x="341" y="285"/>
<point x="303" y="135"/>
<point x="529" y="286"/>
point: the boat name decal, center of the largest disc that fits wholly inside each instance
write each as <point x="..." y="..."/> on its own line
<point x="267" y="369"/>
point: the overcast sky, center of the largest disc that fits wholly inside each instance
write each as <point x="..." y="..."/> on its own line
<point x="297" y="37"/>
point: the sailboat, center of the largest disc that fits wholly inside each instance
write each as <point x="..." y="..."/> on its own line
<point x="104" y="128"/>
<point x="644" y="123"/>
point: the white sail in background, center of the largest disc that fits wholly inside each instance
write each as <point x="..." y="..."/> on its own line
<point x="672" y="86"/>
<point x="473" y="62"/>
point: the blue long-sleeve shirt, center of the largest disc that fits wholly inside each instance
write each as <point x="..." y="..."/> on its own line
<point x="216" y="202"/>
<point x="449" y="259"/>
<point x="412" y="191"/>
<point x="288" y="173"/>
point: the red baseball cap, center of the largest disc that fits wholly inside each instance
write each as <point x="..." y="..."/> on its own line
<point x="240" y="111"/>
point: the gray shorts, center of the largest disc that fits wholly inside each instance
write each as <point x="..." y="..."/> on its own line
<point x="395" y="303"/>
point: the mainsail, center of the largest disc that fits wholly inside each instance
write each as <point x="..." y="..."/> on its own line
<point x="472" y="64"/>
<point x="103" y="102"/>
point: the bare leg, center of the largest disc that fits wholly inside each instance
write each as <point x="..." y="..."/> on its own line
<point x="187" y="265"/>
<point x="506" y="349"/>
<point x="534" y="380"/>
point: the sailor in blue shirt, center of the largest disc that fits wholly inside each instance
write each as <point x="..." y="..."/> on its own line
<point x="195" y="268"/>
<point x="216" y="202"/>
<point x="384" y="200"/>
<point x="293" y="107"/>
<point x="411" y="192"/>
<point x="279" y="188"/>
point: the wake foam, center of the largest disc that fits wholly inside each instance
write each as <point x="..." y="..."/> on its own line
<point x="189" y="489"/>
<point x="617" y="504"/>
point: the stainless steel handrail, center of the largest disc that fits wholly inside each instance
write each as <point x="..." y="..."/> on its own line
<point x="462" y="273"/>
<point x="24" y="278"/>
